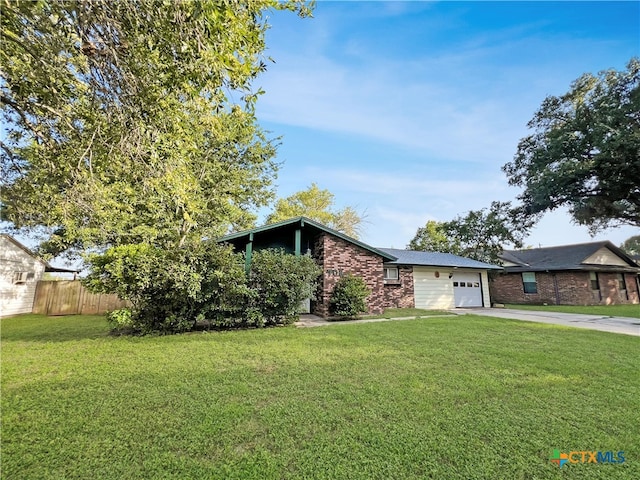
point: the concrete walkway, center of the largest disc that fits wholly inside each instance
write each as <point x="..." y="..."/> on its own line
<point x="624" y="325"/>
<point x="308" y="320"/>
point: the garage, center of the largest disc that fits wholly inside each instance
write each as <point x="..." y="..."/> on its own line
<point x="467" y="289"/>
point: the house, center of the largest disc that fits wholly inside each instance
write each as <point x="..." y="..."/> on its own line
<point x="20" y="270"/>
<point x="585" y="274"/>
<point x="396" y="278"/>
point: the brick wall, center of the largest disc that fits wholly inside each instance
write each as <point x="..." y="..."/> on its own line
<point x="337" y="258"/>
<point x="400" y="294"/>
<point x="564" y="288"/>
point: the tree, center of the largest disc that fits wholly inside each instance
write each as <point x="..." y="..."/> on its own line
<point x="317" y="204"/>
<point x="133" y="121"/>
<point x="480" y="234"/>
<point x="433" y="237"/>
<point x="584" y="152"/>
<point x="632" y="245"/>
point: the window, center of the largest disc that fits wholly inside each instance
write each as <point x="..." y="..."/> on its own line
<point x="390" y="273"/>
<point x="595" y="284"/>
<point x="622" y="284"/>
<point x="529" y="284"/>
<point x="20" y="277"/>
<point x="455" y="284"/>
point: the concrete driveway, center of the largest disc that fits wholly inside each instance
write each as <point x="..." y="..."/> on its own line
<point x="625" y="325"/>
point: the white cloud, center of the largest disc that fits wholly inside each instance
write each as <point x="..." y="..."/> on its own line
<point x="389" y="106"/>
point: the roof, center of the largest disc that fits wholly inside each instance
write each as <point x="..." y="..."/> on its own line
<point x="436" y="259"/>
<point x="304" y="221"/>
<point x="47" y="267"/>
<point x="565" y="257"/>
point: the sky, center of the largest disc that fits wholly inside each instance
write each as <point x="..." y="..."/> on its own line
<point x="408" y="110"/>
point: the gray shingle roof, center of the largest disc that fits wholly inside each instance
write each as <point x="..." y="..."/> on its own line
<point x="564" y="257"/>
<point x="436" y="259"/>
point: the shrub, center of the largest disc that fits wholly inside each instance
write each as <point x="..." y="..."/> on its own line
<point x="205" y="284"/>
<point x="121" y="321"/>
<point x="171" y="290"/>
<point x="349" y="296"/>
<point x="281" y="282"/>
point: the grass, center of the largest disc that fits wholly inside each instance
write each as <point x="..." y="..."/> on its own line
<point x="408" y="312"/>
<point x="609" y="310"/>
<point x="443" y="397"/>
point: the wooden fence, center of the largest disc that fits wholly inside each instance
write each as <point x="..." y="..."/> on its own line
<point x="66" y="297"/>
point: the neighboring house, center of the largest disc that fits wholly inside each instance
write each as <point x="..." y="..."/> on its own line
<point x="20" y="270"/>
<point x="585" y="274"/>
<point x="397" y="278"/>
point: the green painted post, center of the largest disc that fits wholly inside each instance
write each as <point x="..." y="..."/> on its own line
<point x="298" y="243"/>
<point x="248" y="253"/>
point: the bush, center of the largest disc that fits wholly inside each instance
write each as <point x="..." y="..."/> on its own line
<point x="170" y="291"/>
<point x="200" y="285"/>
<point x="121" y="321"/>
<point x="281" y="282"/>
<point x="349" y="296"/>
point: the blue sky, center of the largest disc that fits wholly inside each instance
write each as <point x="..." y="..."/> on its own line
<point x="408" y="110"/>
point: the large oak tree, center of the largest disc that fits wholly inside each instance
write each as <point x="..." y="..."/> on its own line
<point x="480" y="234"/>
<point x="584" y="152"/>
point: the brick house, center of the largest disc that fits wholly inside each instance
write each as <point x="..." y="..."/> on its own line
<point x="597" y="273"/>
<point x="396" y="278"/>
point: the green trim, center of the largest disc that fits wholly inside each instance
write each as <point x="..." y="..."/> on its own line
<point x="248" y="254"/>
<point x="298" y="241"/>
<point x="304" y="221"/>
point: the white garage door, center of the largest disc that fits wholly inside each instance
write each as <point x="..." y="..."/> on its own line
<point x="467" y="290"/>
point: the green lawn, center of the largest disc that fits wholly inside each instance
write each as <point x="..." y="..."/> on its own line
<point x="610" y="310"/>
<point x="442" y="397"/>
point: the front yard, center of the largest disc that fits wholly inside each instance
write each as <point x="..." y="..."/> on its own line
<point x="439" y="397"/>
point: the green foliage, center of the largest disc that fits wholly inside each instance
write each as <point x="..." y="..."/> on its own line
<point x="126" y="270"/>
<point x="632" y="245"/>
<point x="281" y="282"/>
<point x="349" y="296"/>
<point x="480" y="234"/>
<point x="120" y="114"/>
<point x="318" y="205"/>
<point x="172" y="290"/>
<point x="583" y="152"/>
<point x="203" y="285"/>
<point x="433" y="237"/>
<point x="121" y="321"/>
